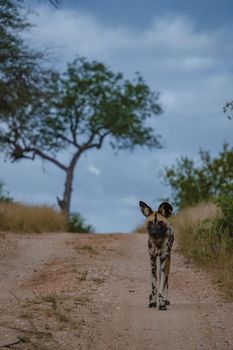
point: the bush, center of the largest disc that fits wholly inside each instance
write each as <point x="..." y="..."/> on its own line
<point x="4" y="196"/>
<point x="225" y="203"/>
<point x="77" y="224"/>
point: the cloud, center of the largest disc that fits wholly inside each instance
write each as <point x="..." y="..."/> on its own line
<point x="94" y="170"/>
<point x="192" y="69"/>
<point x="167" y="37"/>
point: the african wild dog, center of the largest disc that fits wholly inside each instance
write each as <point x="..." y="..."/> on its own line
<point x="161" y="237"/>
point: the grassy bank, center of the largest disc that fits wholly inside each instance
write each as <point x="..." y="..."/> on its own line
<point x="202" y="239"/>
<point x="15" y="217"/>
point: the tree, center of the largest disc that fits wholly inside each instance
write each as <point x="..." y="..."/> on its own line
<point x="192" y="184"/>
<point x="228" y="109"/>
<point x="88" y="104"/>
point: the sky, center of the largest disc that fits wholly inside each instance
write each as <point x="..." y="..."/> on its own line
<point x="184" y="50"/>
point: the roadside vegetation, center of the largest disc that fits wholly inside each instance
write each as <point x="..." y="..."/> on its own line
<point x="204" y="235"/>
<point x="203" y="196"/>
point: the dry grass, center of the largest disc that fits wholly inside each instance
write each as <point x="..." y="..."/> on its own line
<point x="200" y="240"/>
<point x="194" y="216"/>
<point x="15" y="217"/>
<point x="86" y="248"/>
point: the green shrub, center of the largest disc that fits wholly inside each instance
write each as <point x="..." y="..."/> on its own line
<point x="77" y="224"/>
<point x="225" y="203"/>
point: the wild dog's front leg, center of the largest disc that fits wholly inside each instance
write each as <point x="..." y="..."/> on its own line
<point x="153" y="294"/>
<point x="163" y="288"/>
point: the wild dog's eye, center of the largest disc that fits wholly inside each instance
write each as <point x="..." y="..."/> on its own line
<point x="160" y="223"/>
<point x="149" y="224"/>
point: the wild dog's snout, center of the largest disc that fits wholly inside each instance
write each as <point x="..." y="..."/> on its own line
<point x="157" y="228"/>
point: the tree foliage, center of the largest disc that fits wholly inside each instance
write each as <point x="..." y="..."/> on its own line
<point x="92" y="102"/>
<point x="24" y="83"/>
<point x="18" y="63"/>
<point x="191" y="183"/>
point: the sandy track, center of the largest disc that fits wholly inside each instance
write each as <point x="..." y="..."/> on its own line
<point x="90" y="292"/>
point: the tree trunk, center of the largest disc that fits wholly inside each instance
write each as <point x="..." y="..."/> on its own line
<point x="64" y="203"/>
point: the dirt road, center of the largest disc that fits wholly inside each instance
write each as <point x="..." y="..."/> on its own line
<point x="71" y="292"/>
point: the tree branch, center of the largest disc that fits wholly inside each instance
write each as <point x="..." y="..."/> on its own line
<point x="49" y="158"/>
<point x="73" y="128"/>
<point x="64" y="138"/>
<point x="19" y="152"/>
<point x="97" y="145"/>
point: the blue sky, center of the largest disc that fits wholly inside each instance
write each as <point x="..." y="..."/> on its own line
<point x="184" y="50"/>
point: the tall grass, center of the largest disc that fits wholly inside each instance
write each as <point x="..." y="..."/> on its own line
<point x="202" y="239"/>
<point x="15" y="217"/>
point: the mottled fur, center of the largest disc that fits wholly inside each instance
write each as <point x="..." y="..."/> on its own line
<point x="160" y="241"/>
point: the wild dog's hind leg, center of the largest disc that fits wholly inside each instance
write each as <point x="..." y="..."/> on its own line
<point x="153" y="294"/>
<point x="163" y="288"/>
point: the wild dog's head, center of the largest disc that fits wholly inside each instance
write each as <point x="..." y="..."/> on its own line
<point x="156" y="224"/>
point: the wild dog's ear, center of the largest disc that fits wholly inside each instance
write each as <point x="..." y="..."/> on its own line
<point x="165" y="209"/>
<point x="145" y="209"/>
